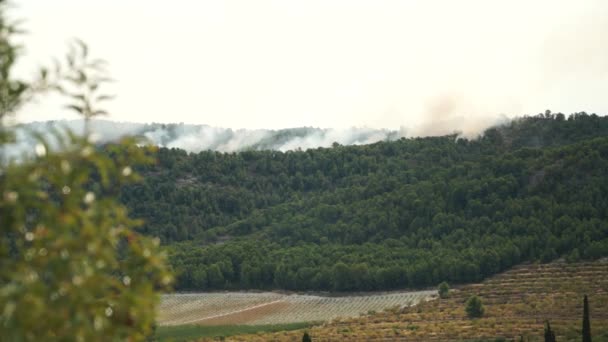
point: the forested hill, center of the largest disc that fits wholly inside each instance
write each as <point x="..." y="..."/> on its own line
<point x="406" y="213"/>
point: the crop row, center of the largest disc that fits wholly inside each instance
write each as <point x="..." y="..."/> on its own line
<point x="517" y="303"/>
<point x="262" y="308"/>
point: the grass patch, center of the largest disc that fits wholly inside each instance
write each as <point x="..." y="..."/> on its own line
<point x="189" y="332"/>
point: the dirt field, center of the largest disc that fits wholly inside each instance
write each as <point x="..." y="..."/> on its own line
<point x="275" y="308"/>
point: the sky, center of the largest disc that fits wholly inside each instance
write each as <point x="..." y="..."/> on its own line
<point x="426" y="65"/>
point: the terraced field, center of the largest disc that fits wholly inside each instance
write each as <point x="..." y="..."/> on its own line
<point x="517" y="303"/>
<point x="275" y="308"/>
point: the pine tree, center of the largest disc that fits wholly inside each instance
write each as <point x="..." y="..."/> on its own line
<point x="549" y="334"/>
<point x="306" y="337"/>
<point x="444" y="290"/>
<point x="586" y="323"/>
<point x="474" y="307"/>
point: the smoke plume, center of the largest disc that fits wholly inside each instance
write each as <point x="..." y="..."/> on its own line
<point x="445" y="115"/>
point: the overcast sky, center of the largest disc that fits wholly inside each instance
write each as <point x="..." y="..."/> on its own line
<point x="382" y="64"/>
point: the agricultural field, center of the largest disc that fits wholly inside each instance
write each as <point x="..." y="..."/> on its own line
<point x="517" y="304"/>
<point x="269" y="308"/>
<point x="176" y="333"/>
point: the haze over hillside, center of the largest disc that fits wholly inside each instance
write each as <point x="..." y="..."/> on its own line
<point x="195" y="138"/>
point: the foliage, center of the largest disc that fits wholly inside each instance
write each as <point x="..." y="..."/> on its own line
<point x="586" y="323"/>
<point x="443" y="290"/>
<point x="306" y="337"/>
<point x="71" y="267"/>
<point x="390" y="215"/>
<point x="474" y="308"/>
<point x="549" y="334"/>
<point x="11" y="90"/>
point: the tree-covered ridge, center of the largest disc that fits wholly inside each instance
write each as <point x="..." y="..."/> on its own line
<point x="407" y="213"/>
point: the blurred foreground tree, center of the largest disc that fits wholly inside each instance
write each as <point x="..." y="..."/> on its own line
<point x="71" y="267"/>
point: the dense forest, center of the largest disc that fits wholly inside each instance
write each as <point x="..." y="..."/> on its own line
<point x="407" y="213"/>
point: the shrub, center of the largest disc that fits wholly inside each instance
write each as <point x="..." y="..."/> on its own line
<point x="474" y="307"/>
<point x="444" y="290"/>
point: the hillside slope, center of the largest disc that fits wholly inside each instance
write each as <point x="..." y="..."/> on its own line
<point x="391" y="215"/>
<point x="517" y="303"/>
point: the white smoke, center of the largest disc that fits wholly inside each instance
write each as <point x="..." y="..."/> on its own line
<point x="196" y="138"/>
<point x="441" y="119"/>
<point x="453" y="113"/>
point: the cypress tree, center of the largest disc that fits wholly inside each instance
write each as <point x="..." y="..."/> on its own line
<point x="586" y="323"/>
<point x="306" y="337"/>
<point x="549" y="334"/>
<point x="443" y="290"/>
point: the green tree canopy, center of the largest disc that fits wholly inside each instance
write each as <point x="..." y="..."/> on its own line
<point x="444" y="289"/>
<point x="474" y="307"/>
